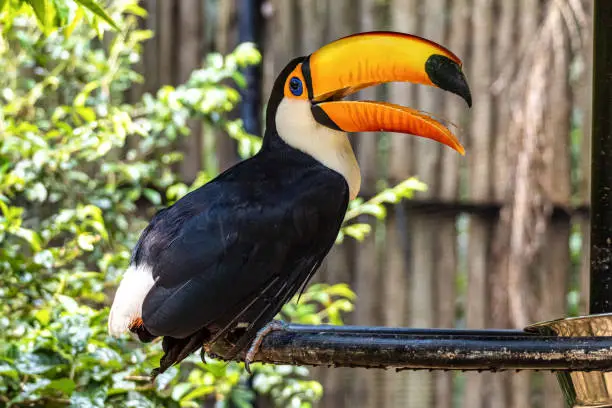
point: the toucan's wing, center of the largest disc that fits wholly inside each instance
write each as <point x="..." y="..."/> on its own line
<point x="241" y="259"/>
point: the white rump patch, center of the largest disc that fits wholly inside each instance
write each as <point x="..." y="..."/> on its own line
<point x="299" y="129"/>
<point x="127" y="305"/>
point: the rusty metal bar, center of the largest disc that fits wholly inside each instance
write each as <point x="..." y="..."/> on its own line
<point x="434" y="349"/>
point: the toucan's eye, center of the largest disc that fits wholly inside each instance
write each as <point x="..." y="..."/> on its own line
<point x="295" y="85"/>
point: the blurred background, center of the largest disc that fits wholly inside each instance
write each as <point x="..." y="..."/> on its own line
<point x="499" y="239"/>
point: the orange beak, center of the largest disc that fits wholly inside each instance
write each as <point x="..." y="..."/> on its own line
<point x="352" y="63"/>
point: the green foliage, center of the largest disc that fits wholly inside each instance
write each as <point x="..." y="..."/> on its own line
<point x="81" y="173"/>
<point x="320" y="304"/>
<point x="52" y="15"/>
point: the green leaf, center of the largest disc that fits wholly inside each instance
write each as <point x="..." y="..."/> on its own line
<point x="81" y="98"/>
<point x="40" y="11"/>
<point x="68" y="303"/>
<point x="43" y="316"/>
<point x="30" y="388"/>
<point x="388" y="196"/>
<point x="142" y="35"/>
<point x="413" y="184"/>
<point x="86" y="242"/>
<point x="78" y="16"/>
<point x="37" y="363"/>
<point x="31" y="237"/>
<point x="153" y="196"/>
<point x="65" y="385"/>
<point x="2" y="3"/>
<point x="86" y="113"/>
<point x="357" y="231"/>
<point x="92" y="6"/>
<point x="342" y="290"/>
<point x="373" y="209"/>
<point x="199" y="392"/>
<point x="8" y="371"/>
<point x="180" y="390"/>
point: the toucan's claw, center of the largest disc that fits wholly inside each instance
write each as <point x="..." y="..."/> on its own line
<point x="274" y="325"/>
<point x="154" y="373"/>
<point x="203" y="352"/>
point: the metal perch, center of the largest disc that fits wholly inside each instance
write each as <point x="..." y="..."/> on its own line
<point x="433" y="349"/>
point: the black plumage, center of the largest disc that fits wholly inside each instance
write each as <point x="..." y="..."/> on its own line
<point x="238" y="248"/>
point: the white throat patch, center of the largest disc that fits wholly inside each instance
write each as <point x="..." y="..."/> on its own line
<point x="298" y="128"/>
<point x="127" y="305"/>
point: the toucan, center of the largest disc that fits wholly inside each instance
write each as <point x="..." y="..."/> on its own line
<point x="226" y="257"/>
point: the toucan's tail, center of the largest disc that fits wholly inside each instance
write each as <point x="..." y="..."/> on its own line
<point x="176" y="350"/>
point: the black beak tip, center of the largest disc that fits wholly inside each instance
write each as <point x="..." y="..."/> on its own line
<point x="446" y="74"/>
<point x="467" y="96"/>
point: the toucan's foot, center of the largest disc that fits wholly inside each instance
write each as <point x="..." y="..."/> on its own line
<point x="154" y="373"/>
<point x="274" y="325"/>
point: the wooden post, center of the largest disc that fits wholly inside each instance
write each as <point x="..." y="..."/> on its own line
<point x="150" y="48"/>
<point x="189" y="57"/>
<point x="166" y="41"/>
<point x="403" y="19"/>
<point x="505" y="55"/>
<point x="225" y="42"/>
<point x="479" y="161"/>
<point x="529" y="16"/>
<point x="395" y="292"/>
<point x="554" y="271"/>
<point x="425" y="226"/>
<point x="338" y="19"/>
<point x="367" y="384"/>
<point x="445" y="248"/>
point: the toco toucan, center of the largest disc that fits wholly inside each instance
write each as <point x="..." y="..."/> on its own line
<point x="226" y="257"/>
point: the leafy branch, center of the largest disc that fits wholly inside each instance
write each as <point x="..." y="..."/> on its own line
<point x="375" y="207"/>
<point x="52" y="15"/>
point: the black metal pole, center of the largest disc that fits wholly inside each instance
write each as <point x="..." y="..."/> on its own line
<point x="249" y="23"/>
<point x="433" y="349"/>
<point x="601" y="161"/>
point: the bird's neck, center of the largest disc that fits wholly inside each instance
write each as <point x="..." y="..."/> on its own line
<point x="296" y="127"/>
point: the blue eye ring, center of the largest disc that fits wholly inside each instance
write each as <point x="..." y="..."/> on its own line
<point x="295" y="86"/>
